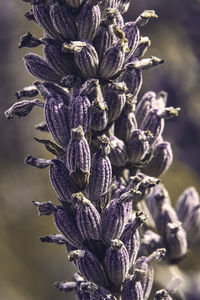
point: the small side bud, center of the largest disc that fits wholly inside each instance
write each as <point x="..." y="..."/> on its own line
<point x="45" y="208"/>
<point x="145" y="16"/>
<point x="37" y="162"/>
<point x="22" y="108"/>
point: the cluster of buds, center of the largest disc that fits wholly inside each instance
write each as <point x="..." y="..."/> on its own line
<point x="108" y="148"/>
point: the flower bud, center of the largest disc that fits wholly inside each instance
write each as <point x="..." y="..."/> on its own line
<point x="133" y="35"/>
<point x="66" y="224"/>
<point x="45" y="208"/>
<point x="38" y="67"/>
<point x="145" y="16"/>
<point x="78" y="158"/>
<point x="150" y="242"/>
<point x="138" y="145"/>
<point x="106" y="4"/>
<point x="123" y="5"/>
<point x="147" y="63"/>
<point x="88" y="266"/>
<point x="63" y="21"/>
<point x="132" y="289"/>
<point x="37" y="162"/>
<point x="96" y="292"/>
<point x="192" y="225"/>
<point x="29" y="91"/>
<point x="22" y="108"/>
<point x="99" y="115"/>
<point x="29" y="40"/>
<point x="58" y="239"/>
<point x="118" y="154"/>
<point x="142" y="47"/>
<point x="116" y="263"/>
<point x="162" y="295"/>
<point x="89" y="20"/>
<point x="144" y="105"/>
<point x="65" y="286"/>
<point x="56" y="115"/>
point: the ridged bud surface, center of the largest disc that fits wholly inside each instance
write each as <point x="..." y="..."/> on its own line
<point x="133" y="35"/>
<point x="132" y="289"/>
<point x="118" y="154"/>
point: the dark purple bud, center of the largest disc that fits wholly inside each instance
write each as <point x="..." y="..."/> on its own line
<point x="71" y="80"/>
<point x="166" y="214"/>
<point x="38" y="67"/>
<point x="82" y="295"/>
<point x="66" y="224"/>
<point x="29" y="15"/>
<point x="101" y="171"/>
<point x="107" y="4"/>
<point x="65" y="286"/>
<point x="132" y="288"/>
<point x="162" y="158"/>
<point x="115" y="98"/>
<point x="78" y="158"/>
<point x="45" y="208"/>
<point x="89" y="20"/>
<point x="117" y="263"/>
<point x="96" y="292"/>
<point x="99" y="115"/>
<point x="144" y="105"/>
<point x="60" y="179"/>
<point x="126" y="123"/>
<point x="176" y="241"/>
<point x="131" y="237"/>
<point x="138" y="145"/>
<point x="37" y="162"/>
<point x="51" y="147"/>
<point x="142" y="47"/>
<point x="86" y="57"/>
<point x="118" y="154"/>
<point x="28" y="40"/>
<point x="79" y="111"/>
<point x="146" y="184"/>
<point x="74" y="3"/>
<point x="61" y="62"/>
<point x="42" y="127"/>
<point x="88" y="266"/>
<point x="132" y="77"/>
<point x="56" y="115"/>
<point x="90" y="88"/>
<point x="133" y="35"/>
<point x="150" y="242"/>
<point x="54" y="238"/>
<point x="88" y="218"/>
<point x="22" y="108"/>
<point x="145" y="16"/>
<point x="186" y="202"/>
<point x="29" y="91"/>
<point x="64" y="21"/>
<point x="113" y="60"/>
<point x="162" y="295"/>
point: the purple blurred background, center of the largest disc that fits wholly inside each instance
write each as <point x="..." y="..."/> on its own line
<point x="28" y="267"/>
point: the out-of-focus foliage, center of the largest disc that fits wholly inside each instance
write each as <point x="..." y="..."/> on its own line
<point x="28" y="268"/>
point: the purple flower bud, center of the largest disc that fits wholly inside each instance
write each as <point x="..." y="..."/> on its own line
<point x="60" y="179"/>
<point x="54" y="238"/>
<point x="56" y="115"/>
<point x="186" y="202"/>
<point x="162" y="295"/>
<point x="45" y="208"/>
<point x="161" y="160"/>
<point x="63" y="21"/>
<point x="74" y="3"/>
<point x="166" y="214"/>
<point x="28" y="40"/>
<point x="107" y="4"/>
<point x="42" y="16"/>
<point x="89" y="20"/>
<point x="118" y="155"/>
<point x="66" y="224"/>
<point x="131" y="238"/>
<point x="61" y="62"/>
<point x="99" y="115"/>
<point x="138" y="145"/>
<point x="82" y="295"/>
<point x="146" y="184"/>
<point x="88" y="218"/>
<point x="65" y="286"/>
<point x="29" y="91"/>
<point x="113" y="60"/>
<point x="145" y="104"/>
<point x="176" y="241"/>
<point x="79" y="111"/>
<point x="150" y="242"/>
<point x="86" y="57"/>
<point x="78" y="158"/>
<point x="192" y="225"/>
<point x="37" y="162"/>
<point x="115" y="98"/>
<point x="126" y="123"/>
<point x="96" y="292"/>
<point x="132" y="289"/>
<point x="22" y="108"/>
<point x="117" y="263"/>
<point x="38" y="67"/>
<point x="88" y="266"/>
<point x="123" y="5"/>
<point x="142" y="47"/>
<point x="133" y="35"/>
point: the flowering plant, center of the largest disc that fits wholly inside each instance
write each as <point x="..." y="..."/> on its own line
<point x="115" y="216"/>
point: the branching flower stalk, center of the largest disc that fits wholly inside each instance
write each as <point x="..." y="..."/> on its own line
<point x="115" y="216"/>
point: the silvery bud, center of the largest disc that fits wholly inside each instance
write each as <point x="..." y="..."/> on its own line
<point x="78" y="158"/>
<point x="132" y="289"/>
<point x="66" y="224"/>
<point x="88" y="266"/>
<point x="79" y="111"/>
<point x="186" y="202"/>
<point x="162" y="295"/>
<point x="133" y="35"/>
<point x="56" y="115"/>
<point x="162" y="158"/>
<point x="150" y="242"/>
<point x="117" y="263"/>
<point x="142" y="47"/>
<point x="58" y="239"/>
<point x="86" y="57"/>
<point x="38" y="67"/>
<point x="88" y="218"/>
<point x="118" y="154"/>
<point x="61" y="181"/>
<point x="29" y="91"/>
<point x="37" y="162"/>
<point x="147" y="63"/>
<point x="64" y="21"/>
<point x="138" y="145"/>
<point x="64" y="286"/>
<point x="176" y="241"/>
<point x="115" y="98"/>
<point x="99" y="115"/>
<point x="22" y="108"/>
<point x="89" y="20"/>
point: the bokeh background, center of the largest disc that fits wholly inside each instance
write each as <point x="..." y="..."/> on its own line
<point x="28" y="267"/>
